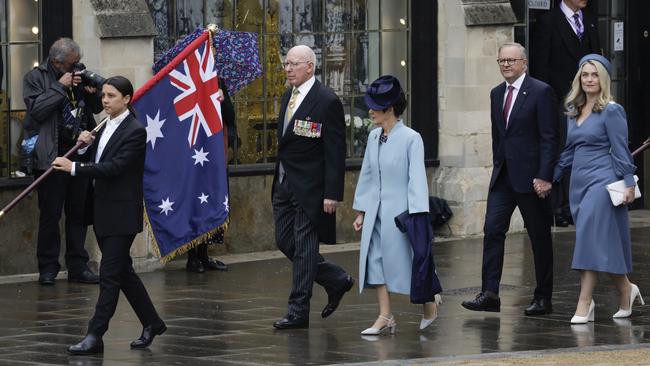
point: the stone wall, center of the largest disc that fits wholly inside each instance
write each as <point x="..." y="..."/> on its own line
<point x="109" y="54"/>
<point x="467" y="72"/>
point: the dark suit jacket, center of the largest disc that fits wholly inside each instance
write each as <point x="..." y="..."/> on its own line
<point x="528" y="146"/>
<point x="117" y="194"/>
<point x="315" y="167"/>
<point x="557" y="50"/>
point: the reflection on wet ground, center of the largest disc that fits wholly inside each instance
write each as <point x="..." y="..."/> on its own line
<point x="225" y="317"/>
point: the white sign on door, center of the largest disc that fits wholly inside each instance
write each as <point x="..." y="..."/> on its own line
<point x="618" y="36"/>
<point x="539" y="4"/>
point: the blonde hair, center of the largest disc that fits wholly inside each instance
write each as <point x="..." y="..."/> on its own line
<point x="576" y="99"/>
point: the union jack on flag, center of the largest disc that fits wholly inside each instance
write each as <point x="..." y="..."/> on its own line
<point x="185" y="182"/>
<point x="200" y="97"/>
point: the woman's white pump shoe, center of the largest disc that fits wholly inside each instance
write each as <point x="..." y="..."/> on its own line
<point x="390" y="326"/>
<point x="585" y="319"/>
<point x="634" y="293"/>
<point x="437" y="299"/>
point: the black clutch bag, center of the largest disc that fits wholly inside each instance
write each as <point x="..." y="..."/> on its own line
<point x="400" y="221"/>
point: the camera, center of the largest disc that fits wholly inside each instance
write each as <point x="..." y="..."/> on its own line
<point x="89" y="78"/>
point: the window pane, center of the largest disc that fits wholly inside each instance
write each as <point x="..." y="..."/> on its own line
<point x="250" y="127"/>
<point x="337" y="63"/>
<point x="365" y="14"/>
<point x="23" y="58"/>
<point x="366" y="61"/>
<point x="3" y="22"/>
<point x="15" y="125"/>
<point x="161" y="15"/>
<point x="23" y="21"/>
<point x="360" y="125"/>
<point x="219" y="12"/>
<point x="393" y="14"/>
<point x="189" y="16"/>
<point x="307" y="15"/>
<point x="337" y="16"/>
<point x="394" y="55"/>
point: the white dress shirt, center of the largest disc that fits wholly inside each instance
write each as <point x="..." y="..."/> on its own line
<point x="304" y="89"/>
<point x="568" y="13"/>
<point x="515" y="92"/>
<point x="111" y="125"/>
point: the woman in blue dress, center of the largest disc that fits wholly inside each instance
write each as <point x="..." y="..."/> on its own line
<point x="597" y="154"/>
<point x="392" y="180"/>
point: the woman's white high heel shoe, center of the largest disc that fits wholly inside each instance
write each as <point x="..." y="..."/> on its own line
<point x="437" y="299"/>
<point x="634" y="293"/>
<point x="390" y="326"/>
<point x="584" y="319"/>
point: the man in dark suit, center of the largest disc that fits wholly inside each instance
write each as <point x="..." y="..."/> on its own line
<point x="524" y="144"/>
<point x="308" y="185"/>
<point x="562" y="37"/>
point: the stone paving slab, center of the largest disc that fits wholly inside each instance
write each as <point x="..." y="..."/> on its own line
<point x="225" y="318"/>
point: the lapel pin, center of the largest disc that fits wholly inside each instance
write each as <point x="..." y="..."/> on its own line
<point x="524" y="93"/>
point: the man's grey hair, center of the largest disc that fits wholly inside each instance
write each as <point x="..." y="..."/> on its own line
<point x="522" y="49"/>
<point x="62" y="48"/>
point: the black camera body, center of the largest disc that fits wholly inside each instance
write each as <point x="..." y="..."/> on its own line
<point x="89" y="78"/>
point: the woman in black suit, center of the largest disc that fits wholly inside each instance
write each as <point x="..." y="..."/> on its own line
<point x="116" y="167"/>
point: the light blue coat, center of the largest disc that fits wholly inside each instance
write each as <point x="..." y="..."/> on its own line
<point x="399" y="182"/>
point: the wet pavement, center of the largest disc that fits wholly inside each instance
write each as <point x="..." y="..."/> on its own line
<point x="225" y="318"/>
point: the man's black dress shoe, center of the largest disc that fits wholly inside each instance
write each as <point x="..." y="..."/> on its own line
<point x="334" y="299"/>
<point x="539" y="306"/>
<point x="148" y="334"/>
<point x="90" y="345"/>
<point x="214" y="265"/>
<point x="46" y="279"/>
<point x="194" y="265"/>
<point x="291" y="322"/>
<point x="483" y="302"/>
<point x="84" y="277"/>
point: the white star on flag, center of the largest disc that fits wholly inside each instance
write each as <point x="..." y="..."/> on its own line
<point x="203" y="197"/>
<point x="154" y="126"/>
<point x="166" y="206"/>
<point x="200" y="156"/>
<point x="225" y="203"/>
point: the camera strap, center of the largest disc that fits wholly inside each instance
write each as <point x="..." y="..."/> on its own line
<point x="71" y="113"/>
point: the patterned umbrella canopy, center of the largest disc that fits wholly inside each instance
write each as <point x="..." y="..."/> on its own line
<point x="237" y="58"/>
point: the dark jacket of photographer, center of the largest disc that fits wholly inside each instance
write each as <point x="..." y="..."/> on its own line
<point x="45" y="99"/>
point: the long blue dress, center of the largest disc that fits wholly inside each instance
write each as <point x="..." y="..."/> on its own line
<point x="597" y="153"/>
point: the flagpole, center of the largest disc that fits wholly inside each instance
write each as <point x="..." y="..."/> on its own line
<point x="644" y="146"/>
<point x="35" y="183"/>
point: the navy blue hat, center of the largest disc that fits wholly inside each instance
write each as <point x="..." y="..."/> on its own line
<point x="596" y="57"/>
<point x="383" y="93"/>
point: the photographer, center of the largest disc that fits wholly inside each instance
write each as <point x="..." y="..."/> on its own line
<point x="60" y="104"/>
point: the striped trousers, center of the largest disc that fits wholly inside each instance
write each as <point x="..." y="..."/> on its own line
<point x="297" y="238"/>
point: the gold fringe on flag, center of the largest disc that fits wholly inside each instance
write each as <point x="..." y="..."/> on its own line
<point x="204" y="238"/>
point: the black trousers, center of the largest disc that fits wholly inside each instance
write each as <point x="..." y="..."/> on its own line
<point x="116" y="273"/>
<point x="502" y="200"/>
<point x="57" y="193"/>
<point x="297" y="238"/>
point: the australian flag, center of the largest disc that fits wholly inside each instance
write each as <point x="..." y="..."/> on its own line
<point x="185" y="181"/>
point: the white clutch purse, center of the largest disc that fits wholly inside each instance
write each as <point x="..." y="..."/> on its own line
<point x="616" y="191"/>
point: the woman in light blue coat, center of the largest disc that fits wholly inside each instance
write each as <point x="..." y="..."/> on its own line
<point x="392" y="180"/>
